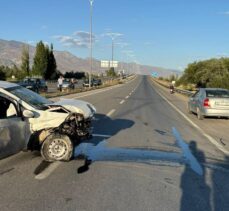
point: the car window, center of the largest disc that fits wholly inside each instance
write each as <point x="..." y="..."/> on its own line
<point x="30" y="97"/>
<point x="217" y="93"/>
<point x="196" y="94"/>
<point x="8" y="109"/>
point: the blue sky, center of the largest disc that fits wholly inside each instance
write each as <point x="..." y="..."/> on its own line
<point x="166" y="33"/>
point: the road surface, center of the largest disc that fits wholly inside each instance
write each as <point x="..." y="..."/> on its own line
<point x="147" y="154"/>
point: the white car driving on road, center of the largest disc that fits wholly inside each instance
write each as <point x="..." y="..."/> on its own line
<point x="28" y="120"/>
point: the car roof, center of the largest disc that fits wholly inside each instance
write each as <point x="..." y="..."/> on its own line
<point x="5" y="84"/>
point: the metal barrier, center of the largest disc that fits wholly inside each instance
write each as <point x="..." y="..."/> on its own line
<point x="181" y="91"/>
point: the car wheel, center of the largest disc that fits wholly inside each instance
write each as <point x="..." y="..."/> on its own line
<point x="199" y="115"/>
<point x="57" y="147"/>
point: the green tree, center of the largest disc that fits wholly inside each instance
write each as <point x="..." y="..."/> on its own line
<point x="51" y="64"/>
<point x="208" y="73"/>
<point x="111" y="72"/>
<point x="2" y="74"/>
<point x="40" y="60"/>
<point x="17" y="72"/>
<point x="25" y="60"/>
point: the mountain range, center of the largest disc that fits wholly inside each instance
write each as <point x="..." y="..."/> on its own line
<point x="10" y="54"/>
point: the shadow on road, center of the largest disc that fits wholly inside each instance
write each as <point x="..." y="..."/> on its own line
<point x="195" y="191"/>
<point x="220" y="181"/>
<point x="105" y="125"/>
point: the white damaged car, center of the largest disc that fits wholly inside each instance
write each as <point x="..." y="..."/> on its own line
<point x="30" y="121"/>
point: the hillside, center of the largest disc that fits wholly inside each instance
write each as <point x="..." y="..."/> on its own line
<point x="10" y="54"/>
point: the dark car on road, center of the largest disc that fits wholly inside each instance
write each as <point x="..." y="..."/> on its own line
<point x="34" y="84"/>
<point x="94" y="82"/>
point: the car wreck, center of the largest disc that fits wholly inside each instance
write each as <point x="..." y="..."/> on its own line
<point x="30" y="121"/>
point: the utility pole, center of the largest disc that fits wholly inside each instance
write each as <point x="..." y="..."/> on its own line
<point x="90" y="74"/>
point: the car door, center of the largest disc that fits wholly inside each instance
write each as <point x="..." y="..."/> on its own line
<point x="194" y="101"/>
<point x="13" y="130"/>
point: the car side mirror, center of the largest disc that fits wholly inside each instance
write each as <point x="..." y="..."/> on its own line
<point x="28" y="114"/>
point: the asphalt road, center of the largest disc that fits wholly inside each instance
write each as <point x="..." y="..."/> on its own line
<point x="140" y="159"/>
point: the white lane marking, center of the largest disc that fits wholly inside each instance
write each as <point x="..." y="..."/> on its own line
<point x="211" y="139"/>
<point x="47" y="171"/>
<point x="127" y="97"/>
<point x="110" y="112"/>
<point x="192" y="161"/>
<point x="123" y="101"/>
<point x="101" y="135"/>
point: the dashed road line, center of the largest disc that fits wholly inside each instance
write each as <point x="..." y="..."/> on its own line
<point x="127" y="97"/>
<point x="110" y="112"/>
<point x="123" y="101"/>
<point x="44" y="174"/>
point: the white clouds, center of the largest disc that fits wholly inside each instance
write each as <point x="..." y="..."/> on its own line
<point x="225" y="13"/>
<point x="46" y="43"/>
<point x="113" y="35"/>
<point x="78" y="39"/>
<point x="122" y="44"/>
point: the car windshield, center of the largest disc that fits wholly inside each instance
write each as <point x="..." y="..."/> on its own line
<point x="217" y="93"/>
<point x="30" y="97"/>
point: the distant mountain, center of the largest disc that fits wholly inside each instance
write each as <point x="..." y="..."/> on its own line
<point x="10" y="54"/>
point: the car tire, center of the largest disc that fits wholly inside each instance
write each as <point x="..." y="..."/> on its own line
<point x="57" y="147"/>
<point x="199" y="115"/>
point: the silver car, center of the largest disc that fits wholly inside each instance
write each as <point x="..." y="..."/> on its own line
<point x="209" y="102"/>
<point x="30" y="121"/>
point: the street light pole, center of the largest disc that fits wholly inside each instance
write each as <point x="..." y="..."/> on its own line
<point x="112" y="53"/>
<point x="91" y="7"/>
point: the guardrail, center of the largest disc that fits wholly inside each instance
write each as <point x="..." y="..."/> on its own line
<point x="184" y="92"/>
<point x="181" y="91"/>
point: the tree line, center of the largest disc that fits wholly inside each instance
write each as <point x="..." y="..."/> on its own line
<point x="44" y="64"/>
<point x="207" y="74"/>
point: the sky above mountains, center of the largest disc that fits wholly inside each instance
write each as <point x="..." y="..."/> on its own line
<point x="166" y="33"/>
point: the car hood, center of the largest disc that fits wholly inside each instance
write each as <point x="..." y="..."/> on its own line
<point x="51" y="119"/>
<point x="78" y="106"/>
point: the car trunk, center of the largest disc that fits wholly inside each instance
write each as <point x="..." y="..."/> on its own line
<point x="219" y="103"/>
